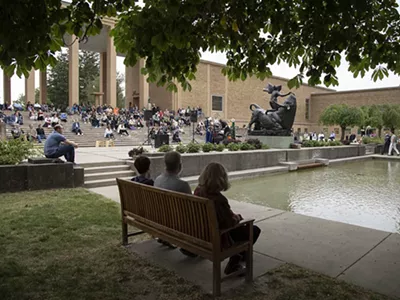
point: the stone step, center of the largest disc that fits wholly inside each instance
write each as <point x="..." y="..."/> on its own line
<point x="103" y="182"/>
<point x="106" y="169"/>
<point x="108" y="175"/>
<point x="103" y="164"/>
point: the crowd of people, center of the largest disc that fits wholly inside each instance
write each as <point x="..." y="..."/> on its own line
<point x="211" y="183"/>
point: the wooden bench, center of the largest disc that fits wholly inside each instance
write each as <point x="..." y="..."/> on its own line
<point x="187" y="221"/>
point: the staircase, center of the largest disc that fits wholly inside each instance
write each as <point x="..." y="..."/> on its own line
<point x="104" y="174"/>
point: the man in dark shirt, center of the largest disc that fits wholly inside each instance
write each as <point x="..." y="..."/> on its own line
<point x="142" y="165"/>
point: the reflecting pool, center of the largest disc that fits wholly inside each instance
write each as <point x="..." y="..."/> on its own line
<point x="364" y="193"/>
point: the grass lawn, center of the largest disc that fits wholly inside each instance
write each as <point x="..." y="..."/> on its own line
<point x="65" y="244"/>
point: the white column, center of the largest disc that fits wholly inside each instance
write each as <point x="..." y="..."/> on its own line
<point x="111" y="92"/>
<point x="6" y="89"/>
<point x="43" y="87"/>
<point x="143" y="87"/>
<point x="73" y="72"/>
<point x="30" y="87"/>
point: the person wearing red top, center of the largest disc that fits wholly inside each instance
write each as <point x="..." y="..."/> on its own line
<point x="212" y="181"/>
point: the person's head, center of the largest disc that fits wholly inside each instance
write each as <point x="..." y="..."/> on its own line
<point x="142" y="165"/>
<point x="39" y="126"/>
<point x="173" y="163"/>
<point x="30" y="126"/>
<point x="214" y="178"/>
<point x="58" y="128"/>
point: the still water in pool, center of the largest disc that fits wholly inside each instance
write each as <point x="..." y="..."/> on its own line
<point x="365" y="193"/>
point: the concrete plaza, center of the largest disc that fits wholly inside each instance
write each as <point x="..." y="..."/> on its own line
<point x="366" y="257"/>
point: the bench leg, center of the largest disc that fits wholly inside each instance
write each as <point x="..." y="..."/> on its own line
<point x="124" y="233"/>
<point x="249" y="264"/>
<point x="216" y="278"/>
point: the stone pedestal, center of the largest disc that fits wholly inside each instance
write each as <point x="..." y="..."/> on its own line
<point x="275" y="142"/>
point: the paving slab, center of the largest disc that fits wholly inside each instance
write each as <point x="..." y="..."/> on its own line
<point x="110" y="192"/>
<point x="323" y="246"/>
<point x="379" y="270"/>
<point x="197" y="270"/>
<point x="254" y="211"/>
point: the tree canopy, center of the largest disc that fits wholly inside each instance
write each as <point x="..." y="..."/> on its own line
<point x="254" y="34"/>
<point x="341" y="115"/>
<point x="391" y="116"/>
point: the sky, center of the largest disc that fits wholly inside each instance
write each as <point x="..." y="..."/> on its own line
<point x="346" y="80"/>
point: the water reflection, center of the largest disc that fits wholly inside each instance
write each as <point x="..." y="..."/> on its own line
<point x="364" y="193"/>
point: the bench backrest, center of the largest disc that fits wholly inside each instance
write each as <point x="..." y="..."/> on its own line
<point x="185" y="216"/>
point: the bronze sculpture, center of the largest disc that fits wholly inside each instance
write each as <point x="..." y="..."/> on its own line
<point x="279" y="120"/>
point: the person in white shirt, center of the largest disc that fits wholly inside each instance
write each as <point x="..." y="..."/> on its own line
<point x="321" y="136"/>
<point x="122" y="129"/>
<point x="108" y="133"/>
<point x="54" y="120"/>
<point x="393" y="144"/>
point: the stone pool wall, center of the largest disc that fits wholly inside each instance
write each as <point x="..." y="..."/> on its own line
<point x="194" y="163"/>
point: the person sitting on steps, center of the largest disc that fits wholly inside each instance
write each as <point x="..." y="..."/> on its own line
<point x="57" y="145"/>
<point x="212" y="181"/>
<point x="142" y="166"/>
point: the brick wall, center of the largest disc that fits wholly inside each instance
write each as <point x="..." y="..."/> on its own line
<point x="160" y="96"/>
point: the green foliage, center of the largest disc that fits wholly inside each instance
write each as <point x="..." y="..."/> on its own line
<point x="179" y="32"/>
<point x="208" y="147"/>
<point x="165" y="148"/>
<point x="264" y="146"/>
<point x="233" y="147"/>
<point x="246" y="147"/>
<point x="181" y="148"/>
<point x="220" y="147"/>
<point x="372" y="140"/>
<point x="120" y="91"/>
<point x="391" y="116"/>
<point x="58" y="82"/>
<point x="342" y="115"/>
<point x="256" y="143"/>
<point x="193" y="148"/>
<point x="310" y="143"/>
<point x="14" y="151"/>
<point x="308" y="35"/>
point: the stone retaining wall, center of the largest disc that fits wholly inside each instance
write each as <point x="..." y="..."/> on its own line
<point x="193" y="164"/>
<point x="39" y="177"/>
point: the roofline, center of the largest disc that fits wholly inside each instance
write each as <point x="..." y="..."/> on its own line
<point x="274" y="77"/>
<point x="357" y="91"/>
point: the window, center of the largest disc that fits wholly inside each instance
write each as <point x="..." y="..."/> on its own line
<point x="217" y="103"/>
<point x="298" y="130"/>
<point x="307" y="109"/>
<point x="306" y="130"/>
<point x="336" y="130"/>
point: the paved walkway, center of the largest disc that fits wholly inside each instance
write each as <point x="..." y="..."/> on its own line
<point x="363" y="256"/>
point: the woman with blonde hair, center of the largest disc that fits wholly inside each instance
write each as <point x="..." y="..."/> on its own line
<point x="212" y="181"/>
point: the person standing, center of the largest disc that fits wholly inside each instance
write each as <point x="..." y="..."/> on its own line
<point x="57" y="145"/>
<point x="393" y="144"/>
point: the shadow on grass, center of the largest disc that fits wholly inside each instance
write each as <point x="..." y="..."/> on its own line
<point x="65" y="244"/>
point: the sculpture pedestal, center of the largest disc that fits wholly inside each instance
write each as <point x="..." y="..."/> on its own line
<point x="277" y="142"/>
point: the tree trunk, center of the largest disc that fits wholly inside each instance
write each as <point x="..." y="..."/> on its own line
<point x="343" y="132"/>
<point x="380" y="132"/>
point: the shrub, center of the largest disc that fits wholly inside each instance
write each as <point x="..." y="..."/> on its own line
<point x="372" y="140"/>
<point x="233" y="147"/>
<point x="220" y="147"/>
<point x="230" y="141"/>
<point x="193" y="148"/>
<point x="246" y="147"/>
<point x="208" y="147"/>
<point x="165" y="148"/>
<point x="264" y="146"/>
<point x="256" y="143"/>
<point x="181" y="148"/>
<point x="14" y="151"/>
<point x="321" y="143"/>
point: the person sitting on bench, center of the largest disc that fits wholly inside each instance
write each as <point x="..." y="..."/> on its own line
<point x="212" y="181"/>
<point x="142" y="166"/>
<point x="169" y="180"/>
<point x="57" y="145"/>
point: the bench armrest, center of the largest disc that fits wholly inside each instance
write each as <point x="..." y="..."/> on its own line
<point x="240" y="224"/>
